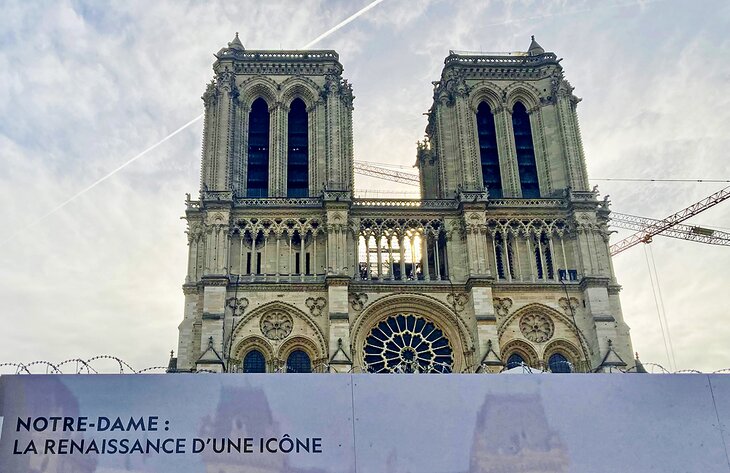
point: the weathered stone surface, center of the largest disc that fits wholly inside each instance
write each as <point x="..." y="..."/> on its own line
<point x="332" y="269"/>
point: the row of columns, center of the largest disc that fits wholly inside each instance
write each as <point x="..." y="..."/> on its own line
<point x="294" y="254"/>
<point x="390" y="263"/>
<point x="532" y="262"/>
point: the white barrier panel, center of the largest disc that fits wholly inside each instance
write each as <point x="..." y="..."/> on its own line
<point x="364" y="423"/>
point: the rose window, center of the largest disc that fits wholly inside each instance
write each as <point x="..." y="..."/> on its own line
<point x="407" y="344"/>
<point x="537" y="328"/>
<point x="276" y="325"/>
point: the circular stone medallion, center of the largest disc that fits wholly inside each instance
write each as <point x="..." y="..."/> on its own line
<point x="537" y="328"/>
<point x="276" y="325"/>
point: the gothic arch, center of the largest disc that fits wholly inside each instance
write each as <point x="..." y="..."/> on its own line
<point x="315" y="353"/>
<point x="522" y="92"/>
<point x="550" y="312"/>
<point x="320" y="346"/>
<point x="253" y="342"/>
<point x="259" y="86"/>
<point x="299" y="87"/>
<point x="486" y="92"/>
<point x="565" y="348"/>
<point x="522" y="348"/>
<point x="461" y="339"/>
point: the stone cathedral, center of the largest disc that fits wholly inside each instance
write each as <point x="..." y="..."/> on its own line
<point x="503" y="262"/>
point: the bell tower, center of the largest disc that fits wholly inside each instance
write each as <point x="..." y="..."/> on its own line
<point x="277" y="124"/>
<point x="504" y="123"/>
<point x="277" y="136"/>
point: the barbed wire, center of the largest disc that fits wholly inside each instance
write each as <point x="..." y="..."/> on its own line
<point x="93" y="365"/>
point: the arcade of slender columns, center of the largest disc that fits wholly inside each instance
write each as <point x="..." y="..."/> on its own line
<point x="511" y="241"/>
<point x="253" y="256"/>
<point x="412" y="248"/>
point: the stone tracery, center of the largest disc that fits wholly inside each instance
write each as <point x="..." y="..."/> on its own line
<point x="276" y="325"/>
<point x="406" y="343"/>
<point x="527" y="249"/>
<point x="352" y="257"/>
<point x="401" y="249"/>
<point x="537" y="327"/>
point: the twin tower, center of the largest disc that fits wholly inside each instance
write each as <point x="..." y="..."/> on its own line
<point x="502" y="262"/>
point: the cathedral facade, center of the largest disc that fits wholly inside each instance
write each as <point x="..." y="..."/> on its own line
<point x="503" y="261"/>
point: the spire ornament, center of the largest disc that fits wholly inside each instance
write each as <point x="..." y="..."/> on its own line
<point x="535" y="49"/>
<point x="236" y="44"/>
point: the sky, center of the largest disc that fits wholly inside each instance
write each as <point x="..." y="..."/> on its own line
<point x="88" y="85"/>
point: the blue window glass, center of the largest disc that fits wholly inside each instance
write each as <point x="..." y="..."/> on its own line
<point x="254" y="362"/>
<point x="559" y="364"/>
<point x="488" y="150"/>
<point x="298" y="362"/>
<point x="297" y="177"/>
<point x="257" y="180"/>
<point x="515" y="360"/>
<point x="525" y="152"/>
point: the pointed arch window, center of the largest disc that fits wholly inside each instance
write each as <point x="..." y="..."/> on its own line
<point x="559" y="364"/>
<point x="488" y="150"/>
<point x="297" y="180"/>
<point x="504" y="256"/>
<point x="254" y="362"/>
<point x="298" y="362"/>
<point x="543" y="256"/>
<point x="257" y="183"/>
<point x="515" y="360"/>
<point x="525" y="152"/>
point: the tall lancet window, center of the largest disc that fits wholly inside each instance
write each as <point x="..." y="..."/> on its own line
<point x="297" y="169"/>
<point x="257" y="183"/>
<point x="488" y="150"/>
<point x="525" y="152"/>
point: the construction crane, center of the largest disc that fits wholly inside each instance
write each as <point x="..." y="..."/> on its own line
<point x="645" y="227"/>
<point x="645" y="235"/>
<point x="372" y="170"/>
<point x="683" y="232"/>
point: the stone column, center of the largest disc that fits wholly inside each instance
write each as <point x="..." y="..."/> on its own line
<point x="570" y="134"/>
<point x="424" y="256"/>
<point x="278" y="122"/>
<point x="379" y="243"/>
<point x="507" y="153"/>
<point x="402" y="251"/>
<point x="437" y="266"/>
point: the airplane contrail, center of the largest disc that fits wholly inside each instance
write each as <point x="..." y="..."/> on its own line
<point x="130" y="161"/>
<point x="104" y="178"/>
<point x="342" y="23"/>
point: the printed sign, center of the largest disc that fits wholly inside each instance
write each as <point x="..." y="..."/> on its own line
<point x="364" y="423"/>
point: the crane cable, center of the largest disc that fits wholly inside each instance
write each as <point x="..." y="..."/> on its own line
<point x="664" y="311"/>
<point x="663" y="323"/>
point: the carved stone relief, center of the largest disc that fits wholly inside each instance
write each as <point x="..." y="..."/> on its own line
<point x="502" y="306"/>
<point x="358" y="301"/>
<point x="315" y="306"/>
<point x="537" y="327"/>
<point x="276" y="325"/>
<point x="237" y="305"/>
<point x="568" y="306"/>
<point x="457" y="301"/>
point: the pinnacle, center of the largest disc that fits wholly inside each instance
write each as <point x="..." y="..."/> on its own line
<point x="535" y="49"/>
<point x="236" y="44"/>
